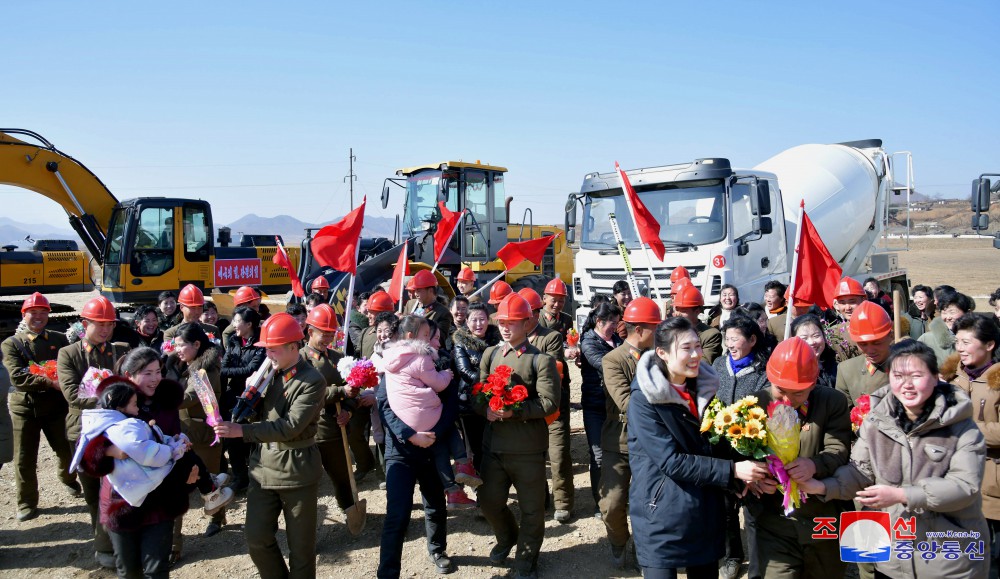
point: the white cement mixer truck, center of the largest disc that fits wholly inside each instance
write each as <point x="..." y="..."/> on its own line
<point x="735" y="226"/>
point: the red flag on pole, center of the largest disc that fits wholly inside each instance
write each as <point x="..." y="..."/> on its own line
<point x="445" y="230"/>
<point x="532" y="250"/>
<point x="402" y="270"/>
<point x="646" y="225"/>
<point x="336" y="245"/>
<point x="281" y="258"/>
<point x="818" y="273"/>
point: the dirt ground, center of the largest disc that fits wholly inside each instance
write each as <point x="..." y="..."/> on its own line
<point x="970" y="265"/>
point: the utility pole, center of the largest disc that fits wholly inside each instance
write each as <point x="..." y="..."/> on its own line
<point x="352" y="177"/>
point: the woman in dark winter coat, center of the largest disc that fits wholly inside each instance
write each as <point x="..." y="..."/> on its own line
<point x="598" y="337"/>
<point x="810" y="328"/>
<point x="147" y="326"/>
<point x="677" y="495"/>
<point x="242" y="358"/>
<point x="470" y="342"/>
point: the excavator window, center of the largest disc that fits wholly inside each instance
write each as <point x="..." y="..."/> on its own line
<point x="154" y="243"/>
<point x="197" y="233"/>
<point x="477" y="202"/>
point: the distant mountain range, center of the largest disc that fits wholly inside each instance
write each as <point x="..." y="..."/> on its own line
<point x="14" y="233"/>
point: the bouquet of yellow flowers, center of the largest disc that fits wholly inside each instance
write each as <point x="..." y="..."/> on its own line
<point x="742" y="423"/>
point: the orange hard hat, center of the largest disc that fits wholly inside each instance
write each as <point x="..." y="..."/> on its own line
<point x="322" y="317"/>
<point x="191" y="296"/>
<point x="793" y="365"/>
<point x="531" y="296"/>
<point x="797" y="302"/>
<point x="679" y="272"/>
<point x="556" y="287"/>
<point x="319" y="283"/>
<point x="689" y="297"/>
<point x="245" y="295"/>
<point x="380" y="302"/>
<point x="99" y="309"/>
<point x="466" y="275"/>
<point x="422" y="279"/>
<point x="642" y="310"/>
<point x="499" y="291"/>
<point x="36" y="300"/>
<point x="278" y="329"/>
<point x="849" y="287"/>
<point x="512" y="308"/>
<point x="681" y="283"/>
<point x="869" y="322"/>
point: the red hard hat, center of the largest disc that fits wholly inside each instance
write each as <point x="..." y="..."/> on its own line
<point x="531" y="296"/>
<point x="642" y="310"/>
<point x="319" y="283"/>
<point x="280" y="328"/>
<point x="380" y="302"/>
<point x="422" y="279"/>
<point x="797" y="302"/>
<point x="689" y="297"/>
<point x="869" y="322"/>
<point x="679" y="272"/>
<point x="793" y="365"/>
<point x="245" y="295"/>
<point x="681" y="283"/>
<point x="191" y="296"/>
<point x="499" y="291"/>
<point x="849" y="287"/>
<point x="35" y="300"/>
<point x="99" y="309"/>
<point x="466" y="275"/>
<point x="322" y="317"/>
<point x="555" y="287"/>
<point x="512" y="308"/>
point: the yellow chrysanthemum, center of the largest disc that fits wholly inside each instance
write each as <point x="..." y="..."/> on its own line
<point x="725" y="418"/>
<point x="757" y="413"/>
<point x="749" y="400"/>
<point x="706" y="424"/>
<point x="753" y="428"/>
<point x="735" y="432"/>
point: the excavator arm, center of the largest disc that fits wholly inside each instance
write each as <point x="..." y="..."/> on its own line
<point x="46" y="170"/>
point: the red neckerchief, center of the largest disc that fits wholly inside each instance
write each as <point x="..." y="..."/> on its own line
<point x="692" y="406"/>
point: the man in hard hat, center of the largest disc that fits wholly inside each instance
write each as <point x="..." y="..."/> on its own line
<point x="515" y="440"/>
<point x="785" y="543"/>
<point x="551" y="343"/>
<point x="465" y="283"/>
<point x="849" y="296"/>
<point x="871" y="330"/>
<point x="36" y="403"/>
<point x="689" y="303"/>
<point x="322" y="287"/>
<point x="553" y="316"/>
<point x="424" y="286"/>
<point x="248" y="297"/>
<point x="192" y="303"/>
<point x="94" y="350"/>
<point x="285" y="463"/>
<point x="774" y="298"/>
<point x="618" y="367"/>
<point x="498" y="291"/>
<point x="776" y="324"/>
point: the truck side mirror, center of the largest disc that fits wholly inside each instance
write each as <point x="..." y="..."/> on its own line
<point x="570" y="212"/>
<point x="570" y="235"/>
<point x="443" y="191"/>
<point x="742" y="248"/>
<point x="765" y="226"/>
<point x="762" y="195"/>
<point x="981" y="194"/>
<point x="981" y="222"/>
<point x="385" y="196"/>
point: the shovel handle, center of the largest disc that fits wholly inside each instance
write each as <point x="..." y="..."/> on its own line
<point x="347" y="453"/>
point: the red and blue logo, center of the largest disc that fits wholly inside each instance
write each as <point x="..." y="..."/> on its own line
<point x="865" y="537"/>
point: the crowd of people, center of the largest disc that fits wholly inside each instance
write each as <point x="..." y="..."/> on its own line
<point x="473" y="395"/>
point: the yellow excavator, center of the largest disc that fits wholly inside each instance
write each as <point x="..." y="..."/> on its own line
<point x="138" y="247"/>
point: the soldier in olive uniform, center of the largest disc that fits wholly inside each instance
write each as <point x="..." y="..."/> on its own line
<point x="36" y="404"/>
<point x="515" y="441"/>
<point x="424" y="287"/>
<point x="689" y="303"/>
<point x="871" y="329"/>
<point x="192" y="303"/>
<point x="73" y="361"/>
<point x="285" y="463"/>
<point x="465" y="283"/>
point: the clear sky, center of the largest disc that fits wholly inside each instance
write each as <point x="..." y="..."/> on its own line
<point x="253" y="106"/>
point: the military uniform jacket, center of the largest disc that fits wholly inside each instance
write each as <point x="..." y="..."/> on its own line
<point x="776" y="326"/>
<point x="72" y="363"/>
<point x="855" y="377"/>
<point x="551" y="342"/>
<point x="524" y="432"/>
<point x="561" y="323"/>
<point x="209" y="329"/>
<point x="33" y="395"/>
<point x="435" y="311"/>
<point x="711" y="341"/>
<point x="326" y="364"/>
<point x="619" y="371"/>
<point x="286" y="456"/>
<point x="368" y="340"/>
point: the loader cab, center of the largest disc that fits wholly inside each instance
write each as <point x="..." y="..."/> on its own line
<point x="475" y="187"/>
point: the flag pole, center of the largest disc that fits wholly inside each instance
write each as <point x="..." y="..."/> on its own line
<point x="635" y="224"/>
<point x="488" y="284"/>
<point x="402" y="287"/>
<point x="450" y="237"/>
<point x="795" y="271"/>
<point x="350" y="288"/>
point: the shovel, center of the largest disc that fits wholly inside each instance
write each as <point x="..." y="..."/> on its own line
<point x="358" y="512"/>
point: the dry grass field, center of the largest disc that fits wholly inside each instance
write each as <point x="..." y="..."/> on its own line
<point x="970" y="265"/>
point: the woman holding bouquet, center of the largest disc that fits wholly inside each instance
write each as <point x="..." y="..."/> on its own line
<point x="919" y="455"/>
<point x="785" y="546"/>
<point x="677" y="495"/>
<point x="242" y="358"/>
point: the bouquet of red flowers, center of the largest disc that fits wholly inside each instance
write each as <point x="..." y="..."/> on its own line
<point x="498" y="392"/>
<point x="358" y="374"/>
<point x="47" y="369"/>
<point x="862" y="406"/>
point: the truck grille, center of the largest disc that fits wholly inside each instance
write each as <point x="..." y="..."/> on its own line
<point x="660" y="273"/>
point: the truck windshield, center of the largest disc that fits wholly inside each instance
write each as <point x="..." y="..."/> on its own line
<point x="689" y="213"/>
<point x="422" y="190"/>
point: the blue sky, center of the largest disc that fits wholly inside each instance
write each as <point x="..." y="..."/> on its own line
<point x="254" y="106"/>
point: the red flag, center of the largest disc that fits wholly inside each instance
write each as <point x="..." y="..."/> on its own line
<point x="281" y="258"/>
<point x="532" y="250"/>
<point x="818" y="273"/>
<point x="336" y="245"/>
<point x="402" y="270"/>
<point x="645" y="224"/>
<point x="445" y="230"/>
